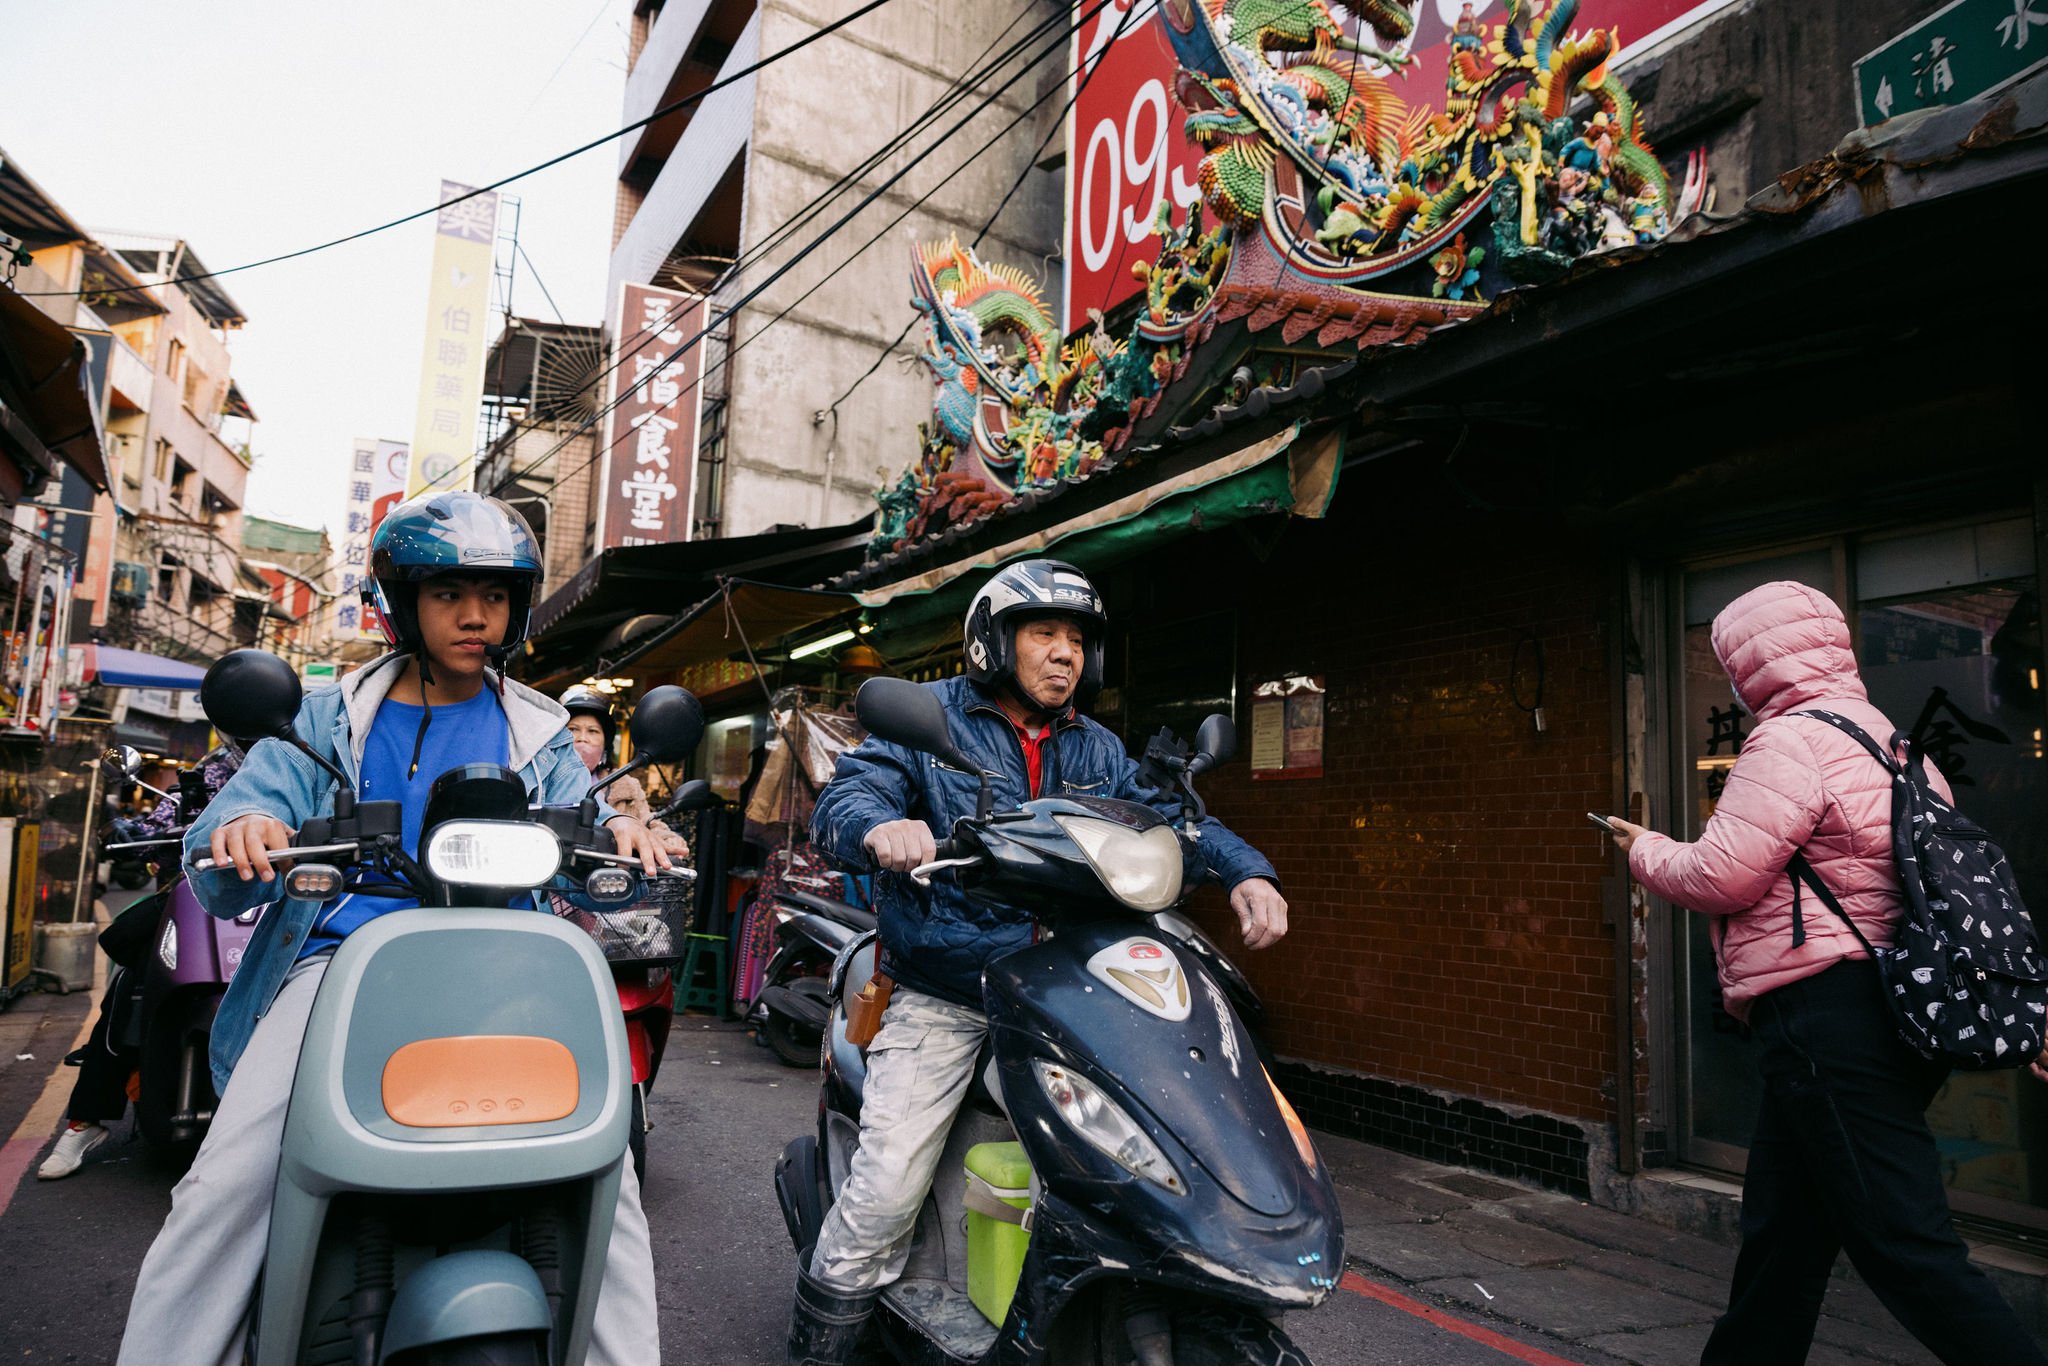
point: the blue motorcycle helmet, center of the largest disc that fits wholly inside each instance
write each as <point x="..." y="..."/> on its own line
<point x="455" y="532"/>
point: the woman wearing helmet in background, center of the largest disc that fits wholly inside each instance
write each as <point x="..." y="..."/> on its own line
<point x="454" y="579"/>
<point x="592" y="729"/>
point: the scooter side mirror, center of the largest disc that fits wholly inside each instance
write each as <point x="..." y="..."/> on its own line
<point x="251" y="693"/>
<point x="667" y="724"/>
<point x="121" y="761"/>
<point x="1215" y="742"/>
<point x="1217" y="738"/>
<point x="695" y="795"/>
<point x="909" y="715"/>
<point x="912" y="716"/>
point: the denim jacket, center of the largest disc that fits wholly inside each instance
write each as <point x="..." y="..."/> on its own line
<point x="277" y="780"/>
<point x="937" y="940"/>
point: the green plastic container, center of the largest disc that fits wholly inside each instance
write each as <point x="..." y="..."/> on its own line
<point x="995" y="1250"/>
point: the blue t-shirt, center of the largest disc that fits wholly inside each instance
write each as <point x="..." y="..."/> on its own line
<point x="472" y="732"/>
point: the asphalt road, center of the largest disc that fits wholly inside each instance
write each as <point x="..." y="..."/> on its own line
<point x="723" y="1110"/>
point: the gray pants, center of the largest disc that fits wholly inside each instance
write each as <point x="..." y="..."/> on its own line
<point x="919" y="1068"/>
<point x="197" y="1286"/>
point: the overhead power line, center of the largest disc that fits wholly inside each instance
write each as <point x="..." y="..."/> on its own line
<point x="838" y="225"/>
<point x="573" y="152"/>
<point x="979" y="71"/>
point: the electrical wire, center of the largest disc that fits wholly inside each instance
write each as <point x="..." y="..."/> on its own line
<point x="808" y="248"/>
<point x="979" y="71"/>
<point x="573" y="152"/>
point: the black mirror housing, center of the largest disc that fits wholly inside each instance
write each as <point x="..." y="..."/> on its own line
<point x="667" y="724"/>
<point x="695" y="795"/>
<point x="1217" y="739"/>
<point x="907" y="714"/>
<point x="251" y="694"/>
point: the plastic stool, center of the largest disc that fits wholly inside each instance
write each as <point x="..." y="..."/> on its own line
<point x="707" y="950"/>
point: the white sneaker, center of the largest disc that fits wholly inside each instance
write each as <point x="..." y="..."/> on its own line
<point x="70" y="1152"/>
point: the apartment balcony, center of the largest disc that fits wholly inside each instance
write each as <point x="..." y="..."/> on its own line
<point x="129" y="380"/>
<point x="702" y="155"/>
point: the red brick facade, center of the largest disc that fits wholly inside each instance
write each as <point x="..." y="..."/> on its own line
<point x="1444" y="884"/>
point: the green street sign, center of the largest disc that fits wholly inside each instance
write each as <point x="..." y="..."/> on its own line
<point x="319" y="673"/>
<point x="1962" y="50"/>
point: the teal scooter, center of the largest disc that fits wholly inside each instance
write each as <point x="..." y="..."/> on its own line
<point x="458" y="1124"/>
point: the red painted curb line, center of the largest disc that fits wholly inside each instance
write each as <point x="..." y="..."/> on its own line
<point x="1373" y="1290"/>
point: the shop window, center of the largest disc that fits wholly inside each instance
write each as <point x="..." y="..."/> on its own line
<point x="1948" y="632"/>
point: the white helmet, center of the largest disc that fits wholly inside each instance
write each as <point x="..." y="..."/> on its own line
<point x="1020" y="592"/>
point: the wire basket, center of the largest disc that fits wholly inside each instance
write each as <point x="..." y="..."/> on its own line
<point x="650" y="932"/>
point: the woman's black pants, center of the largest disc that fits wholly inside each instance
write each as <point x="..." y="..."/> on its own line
<point x="1843" y="1159"/>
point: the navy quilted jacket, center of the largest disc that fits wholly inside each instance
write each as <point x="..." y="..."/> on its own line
<point x="936" y="940"/>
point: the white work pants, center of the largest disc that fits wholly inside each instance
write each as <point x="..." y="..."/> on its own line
<point x="919" y="1068"/>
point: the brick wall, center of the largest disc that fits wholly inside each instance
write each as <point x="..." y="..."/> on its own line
<point x="1446" y="932"/>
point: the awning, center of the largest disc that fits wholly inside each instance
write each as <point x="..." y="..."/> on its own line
<point x="739" y="615"/>
<point x="628" y="580"/>
<point x="46" y="402"/>
<point x="117" y="668"/>
<point x="1250" y="482"/>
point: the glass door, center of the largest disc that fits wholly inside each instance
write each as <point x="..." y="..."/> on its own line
<point x="1948" y="634"/>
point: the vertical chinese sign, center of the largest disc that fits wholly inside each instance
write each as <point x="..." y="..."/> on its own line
<point x="452" y="362"/>
<point x="649" y="463"/>
<point x="376" y="482"/>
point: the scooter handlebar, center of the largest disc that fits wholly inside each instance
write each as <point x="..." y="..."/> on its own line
<point x="207" y="865"/>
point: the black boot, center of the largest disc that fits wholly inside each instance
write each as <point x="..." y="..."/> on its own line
<point x="826" y="1326"/>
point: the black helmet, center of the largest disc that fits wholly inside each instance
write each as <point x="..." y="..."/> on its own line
<point x="582" y="701"/>
<point x="456" y="532"/>
<point x="1019" y="592"/>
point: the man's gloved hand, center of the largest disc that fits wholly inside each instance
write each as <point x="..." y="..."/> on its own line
<point x="1261" y="912"/>
<point x="899" y="846"/>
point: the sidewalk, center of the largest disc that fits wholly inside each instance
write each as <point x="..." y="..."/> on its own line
<point x="1603" y="1286"/>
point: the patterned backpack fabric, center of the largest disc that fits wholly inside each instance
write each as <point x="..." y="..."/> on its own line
<point x="1966" y="974"/>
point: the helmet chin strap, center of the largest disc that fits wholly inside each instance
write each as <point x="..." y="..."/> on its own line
<point x="419" y="738"/>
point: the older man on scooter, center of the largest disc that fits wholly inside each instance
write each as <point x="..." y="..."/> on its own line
<point x="454" y="576"/>
<point x="1034" y="641"/>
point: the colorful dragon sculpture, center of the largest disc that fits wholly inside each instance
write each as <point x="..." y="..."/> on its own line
<point x="1339" y="214"/>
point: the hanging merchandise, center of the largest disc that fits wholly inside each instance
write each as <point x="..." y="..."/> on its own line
<point x="806" y="746"/>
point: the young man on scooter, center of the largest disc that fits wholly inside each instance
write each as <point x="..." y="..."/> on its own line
<point x="1034" y="643"/>
<point x="453" y="578"/>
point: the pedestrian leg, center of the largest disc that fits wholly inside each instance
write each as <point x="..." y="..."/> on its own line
<point x="626" y="1331"/>
<point x="197" y="1283"/>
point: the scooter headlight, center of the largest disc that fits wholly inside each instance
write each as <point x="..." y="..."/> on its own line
<point x="1141" y="868"/>
<point x="1108" y="1129"/>
<point x="492" y="853"/>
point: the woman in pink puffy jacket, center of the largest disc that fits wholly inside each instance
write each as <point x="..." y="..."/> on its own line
<point x="1842" y="1157"/>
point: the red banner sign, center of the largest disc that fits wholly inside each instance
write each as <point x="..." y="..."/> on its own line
<point x="1126" y="151"/>
<point x="647" y="473"/>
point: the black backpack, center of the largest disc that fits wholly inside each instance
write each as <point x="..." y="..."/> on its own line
<point x="1967" y="978"/>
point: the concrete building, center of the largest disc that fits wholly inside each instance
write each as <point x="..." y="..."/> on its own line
<point x="717" y="179"/>
<point x="183" y="462"/>
<point x="299" y="565"/>
<point x="540" y="388"/>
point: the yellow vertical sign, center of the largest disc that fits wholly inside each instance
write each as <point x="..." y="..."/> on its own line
<point x="452" y="362"/>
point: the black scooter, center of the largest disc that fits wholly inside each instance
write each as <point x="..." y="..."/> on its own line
<point x="1173" y="1202"/>
<point x="795" y="1003"/>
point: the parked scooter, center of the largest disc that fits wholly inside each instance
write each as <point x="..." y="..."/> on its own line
<point x="811" y="931"/>
<point x="1131" y="1182"/>
<point x="164" y="1007"/>
<point x="456" y="1132"/>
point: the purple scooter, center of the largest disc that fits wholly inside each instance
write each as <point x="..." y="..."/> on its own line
<point x="168" y="1003"/>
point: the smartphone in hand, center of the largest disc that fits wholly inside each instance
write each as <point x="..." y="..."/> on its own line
<point x="1603" y="822"/>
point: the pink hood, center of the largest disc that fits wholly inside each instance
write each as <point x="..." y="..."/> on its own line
<point x="1797" y="784"/>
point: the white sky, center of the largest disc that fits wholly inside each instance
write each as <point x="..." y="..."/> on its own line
<point x="253" y="127"/>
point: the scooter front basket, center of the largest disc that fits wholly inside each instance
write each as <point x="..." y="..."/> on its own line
<point x="650" y="932"/>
